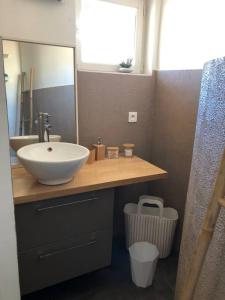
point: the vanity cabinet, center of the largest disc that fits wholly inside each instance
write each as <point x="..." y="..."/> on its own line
<point x="62" y="238"/>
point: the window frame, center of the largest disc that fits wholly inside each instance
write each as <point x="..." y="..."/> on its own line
<point x="138" y="67"/>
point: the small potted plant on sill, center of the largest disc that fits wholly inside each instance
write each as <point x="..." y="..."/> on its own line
<point x="126" y="66"/>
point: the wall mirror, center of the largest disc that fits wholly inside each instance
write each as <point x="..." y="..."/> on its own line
<point x="39" y="79"/>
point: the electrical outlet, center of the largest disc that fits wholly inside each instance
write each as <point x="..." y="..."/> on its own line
<point x="132" y="117"/>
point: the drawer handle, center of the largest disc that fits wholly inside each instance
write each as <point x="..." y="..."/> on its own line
<point x="66" y="204"/>
<point x="47" y="255"/>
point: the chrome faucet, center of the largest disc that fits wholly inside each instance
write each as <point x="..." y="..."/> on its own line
<point x="44" y="127"/>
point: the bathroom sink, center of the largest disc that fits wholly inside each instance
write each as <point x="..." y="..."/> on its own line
<point x="17" y="142"/>
<point x="53" y="163"/>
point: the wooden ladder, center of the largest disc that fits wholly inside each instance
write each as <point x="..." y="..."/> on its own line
<point x="205" y="236"/>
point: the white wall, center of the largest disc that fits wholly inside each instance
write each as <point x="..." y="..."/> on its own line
<point x="9" y="281"/>
<point x="12" y="68"/>
<point x="53" y="66"/>
<point x="153" y="15"/>
<point x="192" y="32"/>
<point x="47" y="21"/>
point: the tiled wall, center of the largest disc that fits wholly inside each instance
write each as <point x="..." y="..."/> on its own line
<point x="166" y="104"/>
<point x="176" y="104"/>
<point x="59" y="102"/>
<point x="104" y="103"/>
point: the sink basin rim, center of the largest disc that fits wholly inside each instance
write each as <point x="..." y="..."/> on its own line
<point x="17" y="142"/>
<point x="22" y="156"/>
<point x="31" y="137"/>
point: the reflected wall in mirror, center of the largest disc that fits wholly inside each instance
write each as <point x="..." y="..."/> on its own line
<point x="39" y="79"/>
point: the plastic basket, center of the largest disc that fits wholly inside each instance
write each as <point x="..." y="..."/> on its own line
<point x="151" y="224"/>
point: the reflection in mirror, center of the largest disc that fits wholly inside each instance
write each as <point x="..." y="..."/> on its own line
<point x="39" y="81"/>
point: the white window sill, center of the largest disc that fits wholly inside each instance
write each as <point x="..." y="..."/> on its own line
<point x="115" y="73"/>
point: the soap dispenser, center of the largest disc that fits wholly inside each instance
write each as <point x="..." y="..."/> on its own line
<point x="100" y="149"/>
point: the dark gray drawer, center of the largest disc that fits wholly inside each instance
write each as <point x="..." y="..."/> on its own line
<point x="48" y="221"/>
<point x="48" y="265"/>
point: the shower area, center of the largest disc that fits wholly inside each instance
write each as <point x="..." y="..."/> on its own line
<point x="208" y="150"/>
<point x="20" y="86"/>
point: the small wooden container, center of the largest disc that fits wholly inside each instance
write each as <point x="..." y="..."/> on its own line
<point x="112" y="152"/>
<point x="128" y="150"/>
<point x="92" y="154"/>
<point x="100" y="149"/>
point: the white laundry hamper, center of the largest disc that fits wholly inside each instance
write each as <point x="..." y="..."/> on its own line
<point x="152" y="224"/>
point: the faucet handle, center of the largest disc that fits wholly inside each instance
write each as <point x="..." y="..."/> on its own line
<point x="44" y="114"/>
<point x="46" y="118"/>
<point x="48" y="126"/>
<point x="47" y="115"/>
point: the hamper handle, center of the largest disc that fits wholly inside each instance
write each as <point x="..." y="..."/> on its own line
<point x="144" y="200"/>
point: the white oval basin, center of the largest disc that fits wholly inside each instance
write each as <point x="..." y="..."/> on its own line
<point x="17" y="142"/>
<point x="53" y="163"/>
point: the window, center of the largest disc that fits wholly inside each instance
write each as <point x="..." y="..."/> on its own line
<point x="109" y="31"/>
<point x="187" y="43"/>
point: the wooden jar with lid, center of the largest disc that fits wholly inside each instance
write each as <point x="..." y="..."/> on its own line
<point x="112" y="152"/>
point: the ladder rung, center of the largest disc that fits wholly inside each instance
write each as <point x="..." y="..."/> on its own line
<point x="221" y="201"/>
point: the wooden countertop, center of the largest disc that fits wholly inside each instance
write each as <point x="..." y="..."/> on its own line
<point x="102" y="174"/>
